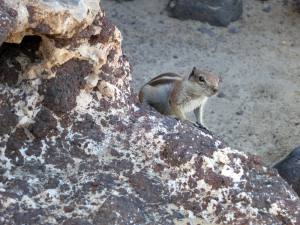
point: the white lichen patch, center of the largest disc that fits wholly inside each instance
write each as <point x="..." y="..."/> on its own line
<point x="33" y="181"/>
<point x="219" y="163"/>
<point x="218" y="143"/>
<point x="189" y="216"/>
<point x="250" y="211"/>
<point x="96" y="53"/>
<point x="82" y="101"/>
<point x="107" y="90"/>
<point x="22" y="150"/>
<point x="275" y="209"/>
<point x="246" y="196"/>
<point x="208" y="163"/>
<point x="228" y="171"/>
<point x="222" y="164"/>
<point x="5" y="162"/>
<point x="228" y="150"/>
<point x="28" y="202"/>
<point x="91" y="81"/>
<point x="181" y="183"/>
<point x="205" y="134"/>
<point x="49" y="196"/>
<point x="34" y="158"/>
<point x="203" y="186"/>
<point x="229" y="217"/>
<point x="26" y="108"/>
<point x="7" y="201"/>
<point x="212" y="206"/>
<point x="221" y="156"/>
<point x="92" y="147"/>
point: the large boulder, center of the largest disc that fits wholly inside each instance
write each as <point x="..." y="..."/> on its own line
<point x="75" y="148"/>
<point x="215" y="12"/>
<point x="289" y="169"/>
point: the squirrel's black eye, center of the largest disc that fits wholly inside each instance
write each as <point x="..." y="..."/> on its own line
<point x="201" y="79"/>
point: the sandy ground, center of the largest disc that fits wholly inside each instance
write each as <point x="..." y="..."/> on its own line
<point x="257" y="57"/>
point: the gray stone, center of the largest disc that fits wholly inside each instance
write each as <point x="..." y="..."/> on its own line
<point x="267" y="8"/>
<point x="215" y="12"/>
<point x="207" y="31"/>
<point x="233" y="30"/>
<point x="289" y="169"/>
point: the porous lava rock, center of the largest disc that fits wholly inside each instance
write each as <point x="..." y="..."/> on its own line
<point x="75" y="148"/>
<point x="215" y="12"/>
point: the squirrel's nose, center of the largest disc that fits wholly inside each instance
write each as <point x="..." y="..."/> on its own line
<point x="215" y="90"/>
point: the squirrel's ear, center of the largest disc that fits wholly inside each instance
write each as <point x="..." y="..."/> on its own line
<point x="193" y="72"/>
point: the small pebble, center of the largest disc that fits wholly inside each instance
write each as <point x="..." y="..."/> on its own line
<point x="267" y="8"/>
<point x="233" y="30"/>
<point x="221" y="95"/>
<point x="207" y="31"/>
<point x="239" y="113"/>
<point x="220" y="39"/>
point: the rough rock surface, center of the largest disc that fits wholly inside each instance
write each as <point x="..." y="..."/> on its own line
<point x="215" y="12"/>
<point x="7" y="20"/>
<point x="76" y="149"/>
<point x="289" y="169"/>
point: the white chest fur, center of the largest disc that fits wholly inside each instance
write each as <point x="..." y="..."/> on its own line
<point x="194" y="103"/>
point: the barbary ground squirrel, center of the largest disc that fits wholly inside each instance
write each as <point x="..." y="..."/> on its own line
<point x="171" y="94"/>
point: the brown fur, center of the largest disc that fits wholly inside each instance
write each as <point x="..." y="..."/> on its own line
<point x="174" y="95"/>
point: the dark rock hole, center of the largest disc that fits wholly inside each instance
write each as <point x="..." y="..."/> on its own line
<point x="13" y="55"/>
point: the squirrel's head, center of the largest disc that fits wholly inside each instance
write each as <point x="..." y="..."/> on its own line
<point x="203" y="81"/>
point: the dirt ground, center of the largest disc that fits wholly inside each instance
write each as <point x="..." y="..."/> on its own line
<point x="257" y="57"/>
